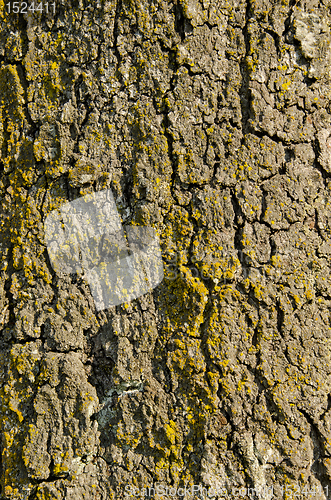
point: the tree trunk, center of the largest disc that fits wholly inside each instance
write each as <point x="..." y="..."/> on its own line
<point x="210" y="122"/>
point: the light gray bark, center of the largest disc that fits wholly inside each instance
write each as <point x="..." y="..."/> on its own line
<point x="209" y="121"/>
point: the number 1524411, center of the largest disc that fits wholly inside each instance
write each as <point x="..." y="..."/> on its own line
<point x="25" y="8"/>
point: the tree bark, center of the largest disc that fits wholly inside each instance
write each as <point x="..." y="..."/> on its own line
<point x="210" y="122"/>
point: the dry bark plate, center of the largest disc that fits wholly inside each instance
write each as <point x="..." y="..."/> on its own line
<point x="210" y="122"/>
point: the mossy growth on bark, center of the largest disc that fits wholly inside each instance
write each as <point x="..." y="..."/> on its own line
<point x="211" y="122"/>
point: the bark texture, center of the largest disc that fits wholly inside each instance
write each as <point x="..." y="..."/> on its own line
<point x="210" y="121"/>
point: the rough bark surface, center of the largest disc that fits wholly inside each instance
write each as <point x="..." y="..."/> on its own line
<point x="210" y="121"/>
